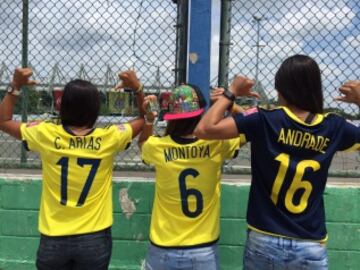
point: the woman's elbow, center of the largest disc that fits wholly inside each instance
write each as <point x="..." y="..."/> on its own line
<point x="201" y="132"/>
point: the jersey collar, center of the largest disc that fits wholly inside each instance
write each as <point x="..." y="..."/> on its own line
<point x="68" y="130"/>
<point x="288" y="112"/>
<point x="181" y="140"/>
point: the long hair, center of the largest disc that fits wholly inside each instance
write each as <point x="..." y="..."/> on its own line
<point x="186" y="126"/>
<point x="298" y="80"/>
<point x="80" y="104"/>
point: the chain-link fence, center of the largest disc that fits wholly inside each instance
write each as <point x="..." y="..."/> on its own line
<point x="89" y="39"/>
<point x="262" y="34"/>
<point x="94" y="39"/>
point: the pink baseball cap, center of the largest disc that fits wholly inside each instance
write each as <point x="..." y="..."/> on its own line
<point x="183" y="102"/>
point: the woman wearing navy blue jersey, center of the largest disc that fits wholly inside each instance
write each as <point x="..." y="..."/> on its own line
<point x="291" y="150"/>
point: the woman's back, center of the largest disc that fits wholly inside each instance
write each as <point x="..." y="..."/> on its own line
<point x="77" y="175"/>
<point x="290" y="162"/>
<point x="186" y="205"/>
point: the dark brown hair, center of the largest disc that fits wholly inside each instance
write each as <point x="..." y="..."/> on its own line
<point x="80" y="104"/>
<point x="298" y="80"/>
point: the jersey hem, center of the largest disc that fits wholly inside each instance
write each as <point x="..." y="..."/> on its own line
<point x="108" y="227"/>
<point x="355" y="147"/>
<point x="284" y="236"/>
<point x="187" y="247"/>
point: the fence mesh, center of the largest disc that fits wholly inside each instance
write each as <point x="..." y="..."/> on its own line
<point x="264" y="33"/>
<point x="89" y="39"/>
<point x="94" y="39"/>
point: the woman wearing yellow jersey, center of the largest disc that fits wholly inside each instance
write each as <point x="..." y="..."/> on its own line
<point x="185" y="217"/>
<point x="77" y="163"/>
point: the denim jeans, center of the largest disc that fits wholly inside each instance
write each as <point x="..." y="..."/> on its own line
<point x="81" y="252"/>
<point x="202" y="258"/>
<point x="268" y="252"/>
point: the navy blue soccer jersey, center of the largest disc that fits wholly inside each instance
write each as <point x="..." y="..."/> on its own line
<point x="289" y="163"/>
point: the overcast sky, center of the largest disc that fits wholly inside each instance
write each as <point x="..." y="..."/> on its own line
<point x="101" y="33"/>
<point x="328" y="31"/>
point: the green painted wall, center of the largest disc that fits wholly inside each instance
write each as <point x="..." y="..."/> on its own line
<point x="19" y="202"/>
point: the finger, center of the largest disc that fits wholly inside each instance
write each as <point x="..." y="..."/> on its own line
<point x="251" y="82"/>
<point x="351" y="84"/>
<point x="119" y="86"/>
<point x="26" y="72"/>
<point x="254" y="94"/>
<point x="215" y="96"/>
<point x="153" y="98"/>
<point x="146" y="99"/>
<point x="32" y="82"/>
<point x="219" y="89"/>
<point x="145" y="104"/>
<point x="340" y="98"/>
<point x="123" y="75"/>
<point x="217" y="92"/>
<point x="345" y="90"/>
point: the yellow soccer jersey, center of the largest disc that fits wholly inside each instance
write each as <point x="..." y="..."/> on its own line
<point x="186" y="207"/>
<point x="77" y="176"/>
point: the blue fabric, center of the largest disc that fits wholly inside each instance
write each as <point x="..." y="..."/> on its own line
<point x="267" y="252"/>
<point x="77" y="252"/>
<point x="203" y="258"/>
<point x="274" y="135"/>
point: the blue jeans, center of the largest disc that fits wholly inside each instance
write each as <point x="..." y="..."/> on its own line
<point x="267" y="252"/>
<point x="81" y="252"/>
<point x="202" y="258"/>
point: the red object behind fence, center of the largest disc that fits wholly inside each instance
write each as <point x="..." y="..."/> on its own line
<point x="57" y="95"/>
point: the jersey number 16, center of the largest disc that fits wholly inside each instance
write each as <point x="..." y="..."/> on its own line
<point x="296" y="184"/>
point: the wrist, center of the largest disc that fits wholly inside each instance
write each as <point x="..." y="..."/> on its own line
<point x="149" y="120"/>
<point x="230" y="97"/>
<point x="15" y="86"/>
<point x="12" y="90"/>
<point x="148" y="123"/>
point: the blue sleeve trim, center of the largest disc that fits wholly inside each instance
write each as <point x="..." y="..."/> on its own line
<point x="25" y="145"/>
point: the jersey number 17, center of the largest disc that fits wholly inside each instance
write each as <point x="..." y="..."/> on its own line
<point x="64" y="163"/>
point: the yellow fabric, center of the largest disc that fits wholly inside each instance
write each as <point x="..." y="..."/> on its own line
<point x="319" y="117"/>
<point x="75" y="158"/>
<point x="191" y="171"/>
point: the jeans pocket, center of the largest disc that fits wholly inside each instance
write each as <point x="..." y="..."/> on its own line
<point x="49" y="246"/>
<point x="254" y="260"/>
<point x="315" y="263"/>
<point x="156" y="259"/>
<point x="99" y="246"/>
<point x="50" y="255"/>
<point x="313" y="256"/>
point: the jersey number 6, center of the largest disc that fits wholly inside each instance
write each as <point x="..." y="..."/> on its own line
<point x="186" y="193"/>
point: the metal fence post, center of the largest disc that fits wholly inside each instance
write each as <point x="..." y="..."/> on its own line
<point x="181" y="40"/>
<point x="224" y="44"/>
<point x="199" y="45"/>
<point x="24" y="63"/>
